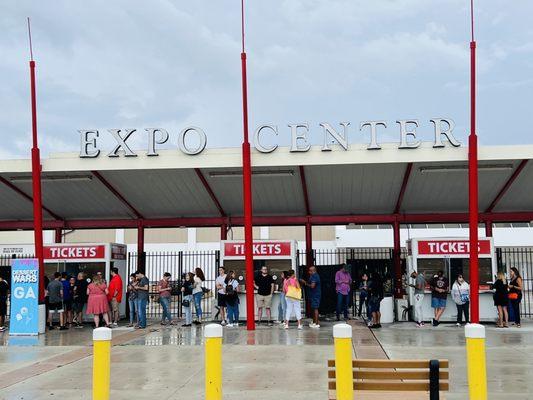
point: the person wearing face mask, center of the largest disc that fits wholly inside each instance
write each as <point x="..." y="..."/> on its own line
<point x="461" y="297"/>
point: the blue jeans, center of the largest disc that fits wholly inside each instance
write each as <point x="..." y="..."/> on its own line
<point x="141" y="312"/>
<point x="233" y="313"/>
<point x="198" y="304"/>
<point x="342" y="305"/>
<point x="282" y="307"/>
<point x="188" y="310"/>
<point x="165" y="303"/>
<point x="133" y="307"/>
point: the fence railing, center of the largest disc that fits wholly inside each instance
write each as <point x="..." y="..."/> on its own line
<point x="177" y="264"/>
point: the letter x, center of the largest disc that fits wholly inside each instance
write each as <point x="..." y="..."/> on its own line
<point x="121" y="143"/>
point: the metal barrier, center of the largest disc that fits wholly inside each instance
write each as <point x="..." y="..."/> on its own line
<point x="521" y="258"/>
<point x="177" y="264"/>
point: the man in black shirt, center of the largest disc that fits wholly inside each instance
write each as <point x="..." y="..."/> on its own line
<point x="4" y="293"/>
<point x="80" y="298"/>
<point x="264" y="283"/>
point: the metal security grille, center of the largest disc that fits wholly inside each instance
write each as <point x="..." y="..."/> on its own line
<point x="177" y="264"/>
<point x="358" y="261"/>
<point x="521" y="258"/>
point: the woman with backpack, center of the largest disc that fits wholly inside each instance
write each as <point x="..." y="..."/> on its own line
<point x="293" y="296"/>
<point x="461" y="298"/>
<point x="232" y="299"/>
<point x="198" y="292"/>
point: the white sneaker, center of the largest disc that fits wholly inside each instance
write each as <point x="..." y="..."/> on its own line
<point x="315" y="326"/>
<point x="300" y="327"/>
<point x="285" y="326"/>
<point x="223" y="323"/>
<point x="458" y="324"/>
<point x="312" y="325"/>
<point x="114" y="324"/>
<point x="229" y="325"/>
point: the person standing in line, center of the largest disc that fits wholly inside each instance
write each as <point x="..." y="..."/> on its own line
<point x="376" y="294"/>
<point x="143" y="288"/>
<point x="198" y="292"/>
<point x="4" y="294"/>
<point x="164" y="298"/>
<point x="131" y="294"/>
<point x="232" y="299"/>
<point x="439" y="294"/>
<point x="67" y="298"/>
<point x="501" y="300"/>
<point x="461" y="297"/>
<point x="420" y="288"/>
<point x="55" y="299"/>
<point x="282" y="307"/>
<point x="293" y="296"/>
<point x="315" y="293"/>
<point x="186" y="290"/>
<point x="221" y="294"/>
<point x="98" y="304"/>
<point x="363" y="296"/>
<point x="115" y="296"/>
<point x="343" y="284"/>
<point x="515" y="294"/>
<point x="264" y="283"/>
<point x="79" y="299"/>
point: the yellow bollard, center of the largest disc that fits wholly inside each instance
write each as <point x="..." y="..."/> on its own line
<point x="342" y="334"/>
<point x="213" y="362"/>
<point x="476" y="363"/>
<point x="101" y="363"/>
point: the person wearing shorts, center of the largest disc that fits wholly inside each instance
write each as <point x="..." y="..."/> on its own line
<point x="264" y="283"/>
<point x="315" y="293"/>
<point x="220" y="284"/>
<point x="55" y="301"/>
<point x="439" y="294"/>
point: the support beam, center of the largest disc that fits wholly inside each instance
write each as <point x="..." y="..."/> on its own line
<point x="141" y="255"/>
<point x="304" y="191"/>
<point x="308" y="260"/>
<point x="507" y="185"/>
<point x="210" y="192"/>
<point x="223" y="232"/>
<point x="280" y="220"/>
<point x="58" y="235"/>
<point x="396" y="256"/>
<point x="28" y="197"/>
<point x="488" y="228"/>
<point x="405" y="181"/>
<point x="117" y="194"/>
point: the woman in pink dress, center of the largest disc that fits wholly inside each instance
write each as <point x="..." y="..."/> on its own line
<point x="97" y="303"/>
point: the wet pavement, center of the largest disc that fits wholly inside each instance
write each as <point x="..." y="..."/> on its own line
<point x="269" y="363"/>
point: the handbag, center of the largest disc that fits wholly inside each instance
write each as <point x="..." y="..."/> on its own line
<point x="294" y="292"/>
<point x="513" y="296"/>
<point x="186" y="303"/>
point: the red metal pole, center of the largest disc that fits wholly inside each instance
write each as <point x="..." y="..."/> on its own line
<point x="223" y="232"/>
<point x="398" y="284"/>
<point x="36" y="186"/>
<point x="247" y="193"/>
<point x="488" y="228"/>
<point x="473" y="186"/>
<point x="58" y="235"/>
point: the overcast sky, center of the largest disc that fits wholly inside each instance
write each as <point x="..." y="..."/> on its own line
<point x="171" y="64"/>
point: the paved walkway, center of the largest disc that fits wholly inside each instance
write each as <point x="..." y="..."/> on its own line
<point x="269" y="363"/>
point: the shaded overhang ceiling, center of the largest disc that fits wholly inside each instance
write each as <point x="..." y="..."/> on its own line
<point x="357" y="181"/>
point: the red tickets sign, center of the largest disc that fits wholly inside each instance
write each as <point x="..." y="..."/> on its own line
<point x="451" y="247"/>
<point x="260" y="249"/>
<point x="73" y="252"/>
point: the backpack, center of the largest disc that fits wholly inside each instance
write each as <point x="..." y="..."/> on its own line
<point x="230" y="290"/>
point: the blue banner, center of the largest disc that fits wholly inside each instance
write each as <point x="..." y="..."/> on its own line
<point x="24" y="319"/>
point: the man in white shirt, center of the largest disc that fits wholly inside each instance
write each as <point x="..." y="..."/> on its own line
<point x="221" y="293"/>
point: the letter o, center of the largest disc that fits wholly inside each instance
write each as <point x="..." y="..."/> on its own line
<point x="183" y="146"/>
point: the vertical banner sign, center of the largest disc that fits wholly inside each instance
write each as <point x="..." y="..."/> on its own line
<point x="24" y="318"/>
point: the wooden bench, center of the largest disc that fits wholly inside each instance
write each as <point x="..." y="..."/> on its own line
<point x="429" y="376"/>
